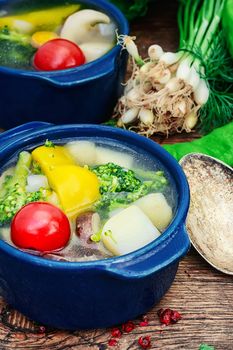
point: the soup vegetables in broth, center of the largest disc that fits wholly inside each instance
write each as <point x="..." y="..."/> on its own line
<point x="41" y="36"/>
<point x="81" y="201"/>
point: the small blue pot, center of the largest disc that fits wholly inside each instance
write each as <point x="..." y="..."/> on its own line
<point x="97" y="293"/>
<point x="86" y="94"/>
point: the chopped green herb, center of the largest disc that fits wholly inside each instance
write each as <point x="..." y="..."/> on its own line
<point x="36" y="169"/>
<point x="109" y="234"/>
<point x="49" y="143"/>
<point x="96" y="237"/>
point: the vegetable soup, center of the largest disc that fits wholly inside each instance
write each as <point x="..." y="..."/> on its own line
<point x="49" y="36"/>
<point x="84" y="200"/>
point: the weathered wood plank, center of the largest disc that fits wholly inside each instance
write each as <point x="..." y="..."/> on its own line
<point x="200" y="293"/>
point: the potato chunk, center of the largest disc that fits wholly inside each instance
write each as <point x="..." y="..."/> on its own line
<point x="107" y="155"/>
<point x="84" y="152"/>
<point x="128" y="231"/>
<point x="156" y="207"/>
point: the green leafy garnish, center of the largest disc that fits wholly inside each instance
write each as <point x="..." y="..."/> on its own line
<point x="96" y="237"/>
<point x="109" y="234"/>
<point x="49" y="143"/>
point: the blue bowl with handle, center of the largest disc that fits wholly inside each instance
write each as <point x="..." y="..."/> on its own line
<point x="103" y="293"/>
<point x="85" y="94"/>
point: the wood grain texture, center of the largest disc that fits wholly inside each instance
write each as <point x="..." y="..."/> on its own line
<point x="202" y="295"/>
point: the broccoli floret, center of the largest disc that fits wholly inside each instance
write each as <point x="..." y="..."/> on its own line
<point x="15" y="49"/>
<point x="119" y="187"/>
<point x="150" y="175"/>
<point x="36" y="169"/>
<point x="114" y="178"/>
<point x="114" y="200"/>
<point x="13" y="193"/>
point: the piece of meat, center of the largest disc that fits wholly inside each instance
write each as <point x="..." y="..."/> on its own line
<point x="87" y="224"/>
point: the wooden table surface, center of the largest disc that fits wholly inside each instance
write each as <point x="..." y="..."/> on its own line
<point x="202" y="295"/>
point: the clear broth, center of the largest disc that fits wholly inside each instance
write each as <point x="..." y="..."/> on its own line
<point x="77" y="249"/>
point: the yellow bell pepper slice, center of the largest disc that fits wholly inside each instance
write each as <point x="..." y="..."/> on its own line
<point x="76" y="187"/>
<point x="48" y="19"/>
<point x="40" y="38"/>
<point x="50" y="157"/>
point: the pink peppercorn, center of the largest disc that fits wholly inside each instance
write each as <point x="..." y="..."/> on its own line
<point x="144" y="342"/>
<point x="116" y="333"/>
<point x="128" y="327"/>
<point x="144" y="322"/>
<point x="112" y="342"/>
<point x="169" y="316"/>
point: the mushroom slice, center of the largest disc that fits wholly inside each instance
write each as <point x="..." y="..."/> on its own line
<point x="81" y="27"/>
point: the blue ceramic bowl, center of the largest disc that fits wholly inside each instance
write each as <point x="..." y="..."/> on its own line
<point x="86" y="94"/>
<point x="102" y="293"/>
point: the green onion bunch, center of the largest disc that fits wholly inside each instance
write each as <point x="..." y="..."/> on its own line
<point x="174" y="92"/>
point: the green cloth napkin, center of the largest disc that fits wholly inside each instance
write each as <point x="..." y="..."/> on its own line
<point x="218" y="144"/>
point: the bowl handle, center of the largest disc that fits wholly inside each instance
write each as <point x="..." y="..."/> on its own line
<point x="21" y="130"/>
<point x="165" y="254"/>
<point x="81" y="76"/>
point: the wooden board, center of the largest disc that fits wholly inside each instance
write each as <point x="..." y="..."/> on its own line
<point x="202" y="295"/>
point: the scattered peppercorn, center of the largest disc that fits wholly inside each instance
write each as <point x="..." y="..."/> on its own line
<point x="112" y="342"/>
<point x="116" y="333"/>
<point x="169" y="316"/>
<point x="144" y="342"/>
<point x="175" y="316"/>
<point x="144" y="322"/>
<point x="128" y="327"/>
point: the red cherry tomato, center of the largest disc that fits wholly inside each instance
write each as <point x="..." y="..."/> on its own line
<point x="58" y="54"/>
<point x="40" y="226"/>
